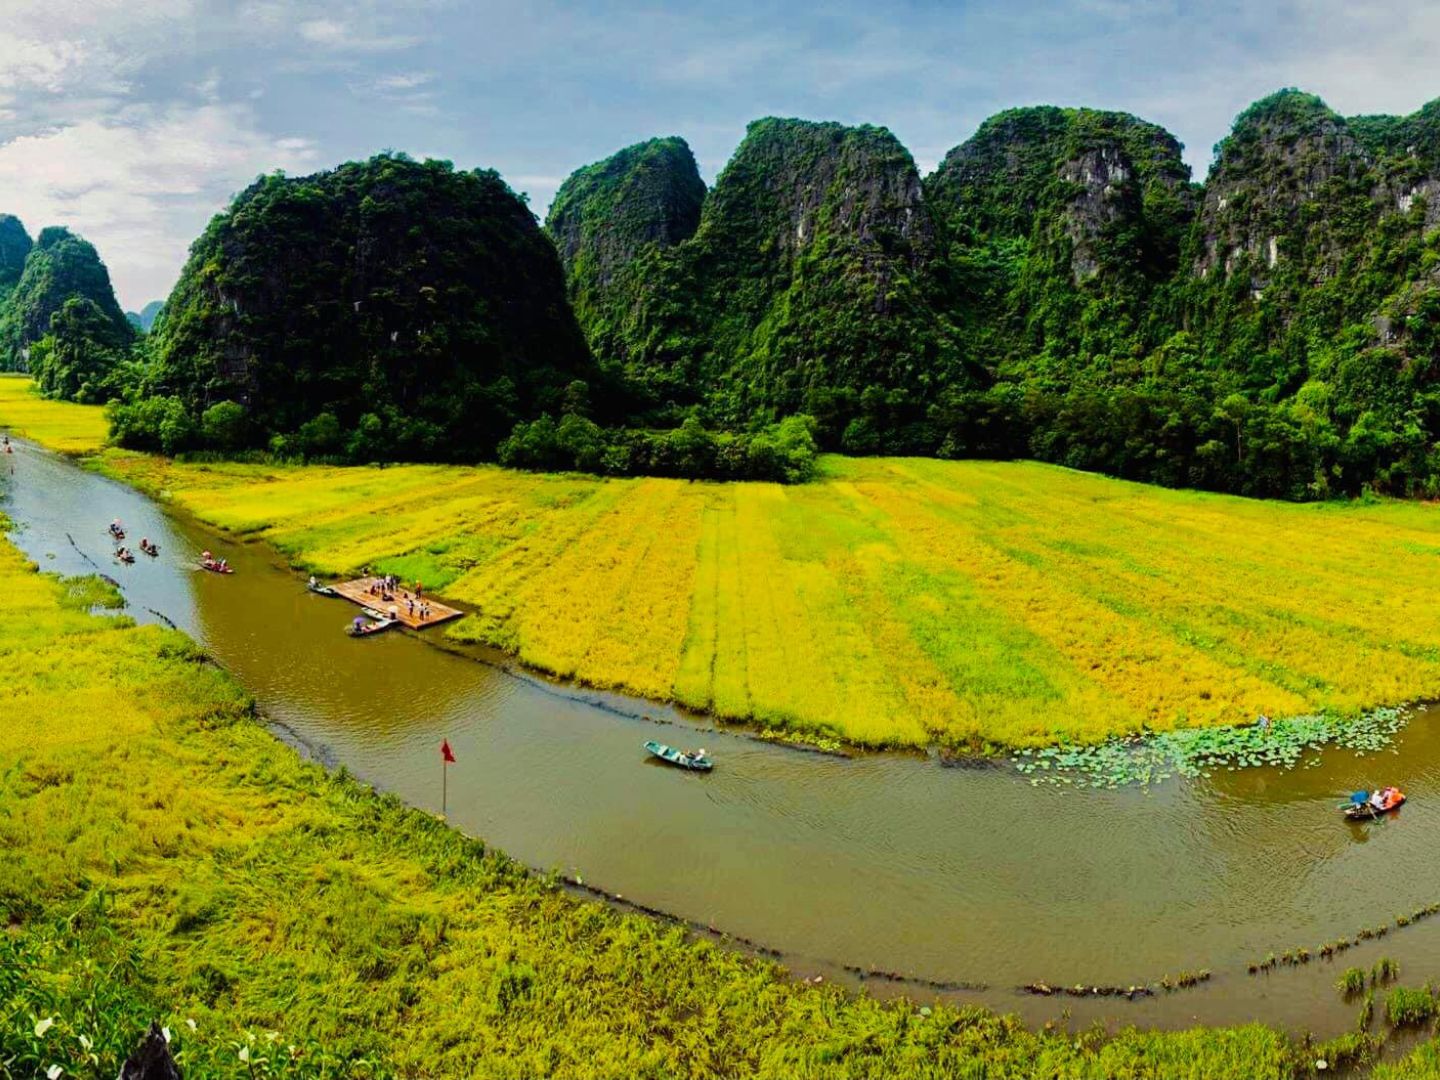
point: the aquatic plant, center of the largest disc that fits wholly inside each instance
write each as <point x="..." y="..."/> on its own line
<point x="1352" y="982"/>
<point x="1385" y="971"/>
<point x="1194" y="753"/>
<point x="1405" y="1007"/>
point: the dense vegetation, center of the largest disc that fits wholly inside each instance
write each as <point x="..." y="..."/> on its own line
<point x="388" y="308"/>
<point x="809" y="286"/>
<point x="59" y="268"/>
<point x="1060" y="290"/>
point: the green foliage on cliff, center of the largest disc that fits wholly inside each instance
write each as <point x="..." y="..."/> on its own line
<point x="608" y="221"/>
<point x="1061" y="290"/>
<point x="15" y="245"/>
<point x="812" y="280"/>
<point x="60" y="267"/>
<point x="417" y="305"/>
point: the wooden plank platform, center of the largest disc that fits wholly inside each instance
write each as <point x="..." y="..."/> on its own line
<point x="358" y="592"/>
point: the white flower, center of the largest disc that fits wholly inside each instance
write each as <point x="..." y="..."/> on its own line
<point x="53" y="1072"/>
<point x="1322" y="1065"/>
<point x="245" y="1053"/>
<point x="166" y="1032"/>
<point x="190" y="1023"/>
<point x="42" y="1026"/>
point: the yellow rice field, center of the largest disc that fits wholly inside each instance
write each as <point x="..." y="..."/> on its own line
<point x="891" y="602"/>
<point x="70" y="429"/>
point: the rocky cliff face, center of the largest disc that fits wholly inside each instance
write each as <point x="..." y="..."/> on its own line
<point x="810" y="275"/>
<point x="59" y="267"/>
<point x="1288" y="158"/>
<point x="610" y="221"/>
<point x="606" y="214"/>
<point x="414" y="304"/>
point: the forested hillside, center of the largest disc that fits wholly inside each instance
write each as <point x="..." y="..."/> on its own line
<point x="1059" y="289"/>
<point x="388" y="308"/>
<point x="58" y="268"/>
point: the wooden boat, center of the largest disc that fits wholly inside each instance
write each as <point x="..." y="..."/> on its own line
<point x="321" y="590"/>
<point x="1368" y="811"/>
<point x="215" y="568"/>
<point x="125" y="556"/>
<point x="153" y="550"/>
<point x="118" y="534"/>
<point x="679" y="758"/>
<point x="366" y="629"/>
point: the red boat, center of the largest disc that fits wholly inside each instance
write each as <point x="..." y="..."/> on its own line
<point x="216" y="567"/>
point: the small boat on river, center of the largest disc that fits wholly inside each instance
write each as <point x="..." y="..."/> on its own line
<point x="1367" y="807"/>
<point x="153" y="550"/>
<point x="697" y="761"/>
<point x="360" y="628"/>
<point x="216" y="567"/>
<point x="125" y="555"/>
<point x="320" y="590"/>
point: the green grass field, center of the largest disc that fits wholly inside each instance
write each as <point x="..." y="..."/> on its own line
<point x="70" y="429"/>
<point x="892" y="602"/>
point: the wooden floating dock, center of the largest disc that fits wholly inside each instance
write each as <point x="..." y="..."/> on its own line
<point x="358" y="592"/>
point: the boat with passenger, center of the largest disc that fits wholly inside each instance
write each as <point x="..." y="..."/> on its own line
<point x="697" y="761"/>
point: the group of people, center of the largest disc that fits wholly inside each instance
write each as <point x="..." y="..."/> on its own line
<point x="206" y="559"/>
<point x="386" y="588"/>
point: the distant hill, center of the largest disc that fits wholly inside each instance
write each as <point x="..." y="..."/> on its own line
<point x="60" y="266"/>
<point x="144" y="319"/>
<point x="386" y="307"/>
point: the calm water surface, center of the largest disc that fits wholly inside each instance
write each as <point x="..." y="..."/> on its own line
<point x="881" y="861"/>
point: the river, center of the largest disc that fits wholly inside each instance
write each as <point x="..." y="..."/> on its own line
<point x="885" y="861"/>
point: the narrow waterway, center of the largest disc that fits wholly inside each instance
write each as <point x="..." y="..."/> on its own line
<point x="879" y="861"/>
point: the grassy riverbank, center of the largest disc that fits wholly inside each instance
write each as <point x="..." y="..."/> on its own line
<point x="893" y="602"/>
<point x="166" y="858"/>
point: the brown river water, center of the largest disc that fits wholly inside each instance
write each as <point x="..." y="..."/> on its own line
<point x="878" y="861"/>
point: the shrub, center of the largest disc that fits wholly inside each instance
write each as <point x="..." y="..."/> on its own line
<point x="222" y="425"/>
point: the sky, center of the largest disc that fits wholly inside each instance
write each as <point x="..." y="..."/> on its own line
<point x="134" y="121"/>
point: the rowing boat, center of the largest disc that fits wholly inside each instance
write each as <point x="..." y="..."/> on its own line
<point x="215" y="568"/>
<point x="668" y="754"/>
<point x="366" y="629"/>
<point x="321" y="590"/>
<point x="1394" y="798"/>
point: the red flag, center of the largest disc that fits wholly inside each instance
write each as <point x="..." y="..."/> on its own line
<point x="446" y="754"/>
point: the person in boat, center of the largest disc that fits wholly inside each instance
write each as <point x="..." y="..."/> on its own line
<point x="1378" y="799"/>
<point x="313" y="582"/>
<point x="359" y="624"/>
<point x="698" y="755"/>
<point x="223" y="564"/>
<point x="205" y="557"/>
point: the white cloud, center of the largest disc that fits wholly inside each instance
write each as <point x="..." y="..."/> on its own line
<point x="141" y="187"/>
<point x="328" y="33"/>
